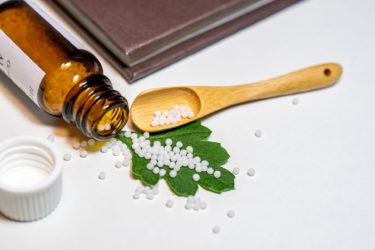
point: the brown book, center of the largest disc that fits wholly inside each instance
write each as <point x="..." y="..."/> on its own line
<point x="139" y="37"/>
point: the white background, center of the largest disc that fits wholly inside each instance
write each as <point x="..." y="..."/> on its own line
<point x="315" y="163"/>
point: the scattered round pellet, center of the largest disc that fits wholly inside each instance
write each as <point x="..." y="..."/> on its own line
<point x="196" y="177"/>
<point x="76" y="145"/>
<point x="258" y="133"/>
<point x="91" y="142"/>
<point x="217" y="174"/>
<point x="102" y="175"/>
<point x="251" y="172"/>
<point x="118" y="164"/>
<point x="156" y="170"/>
<point x="116" y="152"/>
<point x="162" y="172"/>
<point x="83" y="144"/>
<point x="51" y="138"/>
<point x="67" y="157"/>
<point x="295" y="101"/>
<point x="83" y="153"/>
<point x="107" y="126"/>
<point x="216" y="229"/>
<point x="169" y="203"/>
<point x="150" y="196"/>
<point x="236" y="171"/>
<point x="168" y="141"/>
<point x="231" y="214"/>
<point x="188" y="206"/>
<point x="136" y="196"/>
<point x="203" y="205"/>
<point x="179" y="144"/>
<point x="104" y="149"/>
<point x="126" y="162"/>
<point x="189" y="149"/>
<point x="173" y="173"/>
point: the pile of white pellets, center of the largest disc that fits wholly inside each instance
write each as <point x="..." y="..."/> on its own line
<point x="195" y="203"/>
<point x="168" y="117"/>
<point x="171" y="155"/>
<point x="149" y="192"/>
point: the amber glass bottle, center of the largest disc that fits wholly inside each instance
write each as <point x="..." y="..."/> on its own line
<point x="62" y="79"/>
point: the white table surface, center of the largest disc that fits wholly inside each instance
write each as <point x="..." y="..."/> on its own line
<point x="315" y="163"/>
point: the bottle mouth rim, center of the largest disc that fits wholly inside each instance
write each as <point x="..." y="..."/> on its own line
<point x="116" y="109"/>
<point x="92" y="99"/>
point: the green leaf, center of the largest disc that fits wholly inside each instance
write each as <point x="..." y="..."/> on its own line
<point x="217" y="185"/>
<point x="139" y="170"/>
<point x="187" y="134"/>
<point x="195" y="135"/>
<point x="183" y="184"/>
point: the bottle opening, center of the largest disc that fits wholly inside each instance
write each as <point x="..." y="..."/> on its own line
<point x="112" y="121"/>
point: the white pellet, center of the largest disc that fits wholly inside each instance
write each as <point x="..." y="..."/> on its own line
<point x="203" y="205"/>
<point x="188" y="206"/>
<point x="258" y="133"/>
<point x="179" y="144"/>
<point x="91" y="142"/>
<point x="155" y="170"/>
<point x="189" y="149"/>
<point x="118" y="164"/>
<point x="107" y="126"/>
<point x="196" y="205"/>
<point x="76" y="145"/>
<point x="155" y="190"/>
<point x="162" y="172"/>
<point x="149" y="196"/>
<point x="251" y="172"/>
<point x="216" y="229"/>
<point x="102" y="175"/>
<point x="83" y="144"/>
<point x="210" y="171"/>
<point x="104" y="149"/>
<point x="236" y="171"/>
<point x="217" y="174"/>
<point x="146" y="135"/>
<point x="168" y="141"/>
<point x="173" y="173"/>
<point x="231" y="214"/>
<point x="67" y="157"/>
<point x="83" y="153"/>
<point x="196" y="177"/>
<point x="136" y="196"/>
<point x="51" y="138"/>
<point x="169" y="203"/>
<point x="295" y="101"/>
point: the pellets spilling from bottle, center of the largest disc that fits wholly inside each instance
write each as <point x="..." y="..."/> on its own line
<point x="168" y="117"/>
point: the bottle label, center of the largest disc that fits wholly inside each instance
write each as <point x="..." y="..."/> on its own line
<point x="19" y="67"/>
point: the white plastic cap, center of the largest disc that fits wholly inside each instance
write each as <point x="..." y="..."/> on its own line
<point x="30" y="178"/>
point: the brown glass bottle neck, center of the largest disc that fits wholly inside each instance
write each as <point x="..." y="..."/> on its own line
<point x="88" y="101"/>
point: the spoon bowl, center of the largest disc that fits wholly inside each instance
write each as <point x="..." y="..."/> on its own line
<point x="204" y="100"/>
<point x="162" y="99"/>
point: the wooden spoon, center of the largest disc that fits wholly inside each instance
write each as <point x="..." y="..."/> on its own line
<point x="204" y="100"/>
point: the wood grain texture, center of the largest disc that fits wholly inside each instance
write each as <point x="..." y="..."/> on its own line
<point x="204" y="100"/>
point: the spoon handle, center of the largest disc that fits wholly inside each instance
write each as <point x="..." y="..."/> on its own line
<point x="311" y="78"/>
